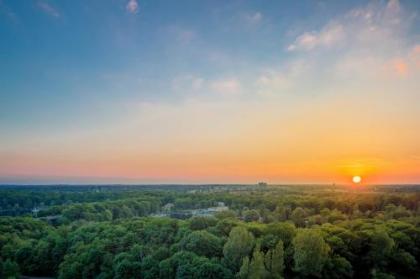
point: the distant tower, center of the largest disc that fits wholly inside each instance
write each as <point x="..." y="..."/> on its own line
<point x="35" y="212"/>
<point x="262" y="184"/>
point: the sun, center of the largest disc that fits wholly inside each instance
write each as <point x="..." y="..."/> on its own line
<point x="357" y="179"/>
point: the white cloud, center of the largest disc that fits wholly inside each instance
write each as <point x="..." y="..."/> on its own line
<point x="48" y="9"/>
<point x="273" y="82"/>
<point x="226" y="86"/>
<point x="132" y="6"/>
<point x="199" y="88"/>
<point x="371" y="24"/>
<point x="368" y="50"/>
<point x="327" y="37"/>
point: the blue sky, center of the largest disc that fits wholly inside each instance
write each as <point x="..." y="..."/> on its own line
<point x="73" y="74"/>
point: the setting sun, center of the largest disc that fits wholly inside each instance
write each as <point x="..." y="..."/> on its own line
<point x="357" y="179"/>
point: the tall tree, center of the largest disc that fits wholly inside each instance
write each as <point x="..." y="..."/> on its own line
<point x="311" y="252"/>
<point x="9" y="269"/>
<point x="381" y="247"/>
<point x="238" y="246"/>
<point x="256" y="267"/>
<point x="298" y="216"/>
<point x="244" y="271"/>
<point x="274" y="261"/>
<point x="202" y="243"/>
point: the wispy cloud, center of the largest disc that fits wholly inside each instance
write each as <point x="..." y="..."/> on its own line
<point x="253" y="18"/>
<point x="198" y="87"/>
<point x="285" y="80"/>
<point x="328" y="36"/>
<point x="8" y="12"/>
<point x="180" y="34"/>
<point x="230" y="86"/>
<point x="188" y="84"/>
<point x="374" y="23"/>
<point x="48" y="9"/>
<point x="185" y="36"/>
<point x="132" y="6"/>
<point x="370" y="45"/>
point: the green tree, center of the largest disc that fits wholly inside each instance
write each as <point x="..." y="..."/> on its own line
<point x="238" y="246"/>
<point x="381" y="275"/>
<point x="310" y="252"/>
<point x="244" y="270"/>
<point x="281" y="213"/>
<point x="274" y="261"/>
<point x="125" y="266"/>
<point x="337" y="268"/>
<point x="251" y="215"/>
<point x="381" y="247"/>
<point x="9" y="270"/>
<point x="403" y="262"/>
<point x="212" y="270"/>
<point x="150" y="268"/>
<point x="202" y="243"/>
<point x="202" y="223"/>
<point x="166" y="270"/>
<point x="298" y="216"/>
<point x="256" y="266"/>
<point x="188" y="265"/>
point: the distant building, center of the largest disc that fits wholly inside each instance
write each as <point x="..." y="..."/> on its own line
<point x="168" y="207"/>
<point x="185" y="214"/>
<point x="35" y="212"/>
<point x="210" y="211"/>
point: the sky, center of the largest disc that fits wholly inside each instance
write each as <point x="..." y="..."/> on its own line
<point x="153" y="91"/>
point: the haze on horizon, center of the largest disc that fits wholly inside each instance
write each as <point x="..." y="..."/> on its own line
<point x="141" y="91"/>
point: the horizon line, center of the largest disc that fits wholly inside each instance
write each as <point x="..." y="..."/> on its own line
<point x="207" y="184"/>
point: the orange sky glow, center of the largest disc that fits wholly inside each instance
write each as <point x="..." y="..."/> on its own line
<point x="335" y="100"/>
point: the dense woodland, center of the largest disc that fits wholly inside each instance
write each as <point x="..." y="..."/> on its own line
<point x="268" y="232"/>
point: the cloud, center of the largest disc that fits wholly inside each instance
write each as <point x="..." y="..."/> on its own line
<point x="367" y="52"/>
<point x="199" y="87"/>
<point x="184" y="36"/>
<point x="366" y="25"/>
<point x="48" y="9"/>
<point x="369" y="48"/>
<point x="351" y="85"/>
<point x="328" y="36"/>
<point x="197" y="83"/>
<point x="273" y="82"/>
<point x="132" y="6"/>
<point x="407" y="64"/>
<point x="253" y="18"/>
<point x="187" y="84"/>
<point x="181" y="34"/>
<point x="229" y="86"/>
<point x="8" y="12"/>
<point x="415" y="56"/>
<point x="373" y="41"/>
<point x="400" y="67"/>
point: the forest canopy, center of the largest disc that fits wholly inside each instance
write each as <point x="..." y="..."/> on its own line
<point x="213" y="231"/>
